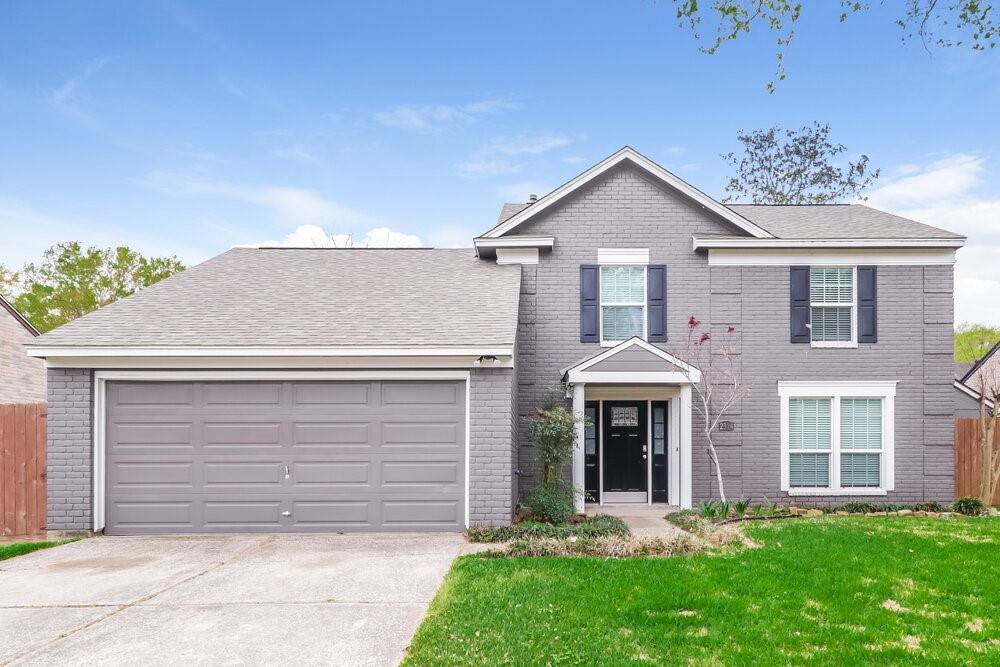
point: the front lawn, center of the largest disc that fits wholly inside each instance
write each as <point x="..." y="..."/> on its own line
<point x="837" y="590"/>
<point x="21" y="548"/>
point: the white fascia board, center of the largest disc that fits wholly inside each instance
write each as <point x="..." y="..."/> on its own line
<point x="635" y="342"/>
<point x="704" y="242"/>
<point x="837" y="387"/>
<point x="641" y="161"/>
<point x="540" y="242"/>
<point x="970" y="392"/>
<point x="66" y="351"/>
<point x="271" y="362"/>
<point x="618" y="256"/>
<point x="240" y="374"/>
<point x="831" y="256"/>
<point x="631" y="377"/>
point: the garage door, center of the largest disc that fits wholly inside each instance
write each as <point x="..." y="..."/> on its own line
<point x="284" y="456"/>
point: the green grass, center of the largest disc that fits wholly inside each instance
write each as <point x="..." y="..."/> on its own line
<point x="829" y="591"/>
<point x="20" y="548"/>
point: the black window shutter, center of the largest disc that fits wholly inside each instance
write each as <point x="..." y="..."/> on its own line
<point x="800" y="304"/>
<point x="867" y="305"/>
<point x="656" y="303"/>
<point x="589" y="304"/>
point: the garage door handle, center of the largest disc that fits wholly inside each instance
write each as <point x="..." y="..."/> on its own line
<point x="286" y="513"/>
<point x="286" y="473"/>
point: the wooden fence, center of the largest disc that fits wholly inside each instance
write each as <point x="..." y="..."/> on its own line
<point x="968" y="459"/>
<point x="22" y="469"/>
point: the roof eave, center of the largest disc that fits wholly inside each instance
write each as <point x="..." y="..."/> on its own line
<point x="705" y="243"/>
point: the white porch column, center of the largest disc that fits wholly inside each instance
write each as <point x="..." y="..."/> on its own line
<point x="685" y="437"/>
<point x="579" y="467"/>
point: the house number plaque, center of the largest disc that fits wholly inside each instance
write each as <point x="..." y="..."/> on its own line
<point x="727" y="426"/>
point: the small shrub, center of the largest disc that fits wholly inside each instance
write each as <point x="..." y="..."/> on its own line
<point x="768" y="507"/>
<point x="929" y="506"/>
<point x="596" y="526"/>
<point x="688" y="520"/>
<point x="859" y="507"/>
<point x="969" y="506"/>
<point x="708" y="509"/>
<point x="741" y="506"/>
<point x="724" y="509"/>
<point x="552" y="501"/>
<point x="606" y="547"/>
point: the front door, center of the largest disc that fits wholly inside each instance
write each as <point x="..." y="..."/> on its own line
<point x="625" y="451"/>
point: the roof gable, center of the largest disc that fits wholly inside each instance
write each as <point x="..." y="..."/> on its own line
<point x="634" y="357"/>
<point x="630" y="156"/>
<point x="6" y="305"/>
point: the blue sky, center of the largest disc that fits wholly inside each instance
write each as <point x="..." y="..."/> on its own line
<point x="186" y="128"/>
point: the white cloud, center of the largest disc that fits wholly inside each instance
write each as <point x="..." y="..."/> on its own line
<point x="66" y="94"/>
<point x="527" y="144"/>
<point x="430" y="117"/>
<point x="519" y="192"/>
<point x="314" y="236"/>
<point x="949" y="193"/>
<point x="290" y="205"/>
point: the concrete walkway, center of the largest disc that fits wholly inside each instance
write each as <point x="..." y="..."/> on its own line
<point x="643" y="520"/>
<point x="208" y="600"/>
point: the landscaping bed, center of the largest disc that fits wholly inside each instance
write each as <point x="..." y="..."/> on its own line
<point x="600" y="525"/>
<point x="830" y="591"/>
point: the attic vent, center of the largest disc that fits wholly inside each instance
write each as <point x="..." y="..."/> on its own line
<point x="532" y="199"/>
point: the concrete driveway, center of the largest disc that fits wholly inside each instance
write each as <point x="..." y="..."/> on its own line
<point x="235" y="599"/>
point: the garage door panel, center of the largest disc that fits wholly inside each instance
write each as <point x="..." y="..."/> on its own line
<point x="419" y="394"/>
<point x="360" y="456"/>
<point x="242" y="434"/>
<point x="330" y="434"/>
<point x="329" y="394"/>
<point x="313" y="474"/>
<point x="240" y="394"/>
<point x="151" y="436"/>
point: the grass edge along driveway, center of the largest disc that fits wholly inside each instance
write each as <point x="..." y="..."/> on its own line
<point x="837" y="590"/>
<point x="12" y="549"/>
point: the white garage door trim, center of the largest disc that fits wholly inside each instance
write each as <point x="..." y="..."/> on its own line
<point x="101" y="378"/>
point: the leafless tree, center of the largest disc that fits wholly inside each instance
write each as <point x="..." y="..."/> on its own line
<point x="720" y="387"/>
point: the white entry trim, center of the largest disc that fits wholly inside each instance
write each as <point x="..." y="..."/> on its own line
<point x="687" y="374"/>
<point x="101" y="378"/>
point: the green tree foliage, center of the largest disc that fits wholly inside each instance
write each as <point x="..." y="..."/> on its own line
<point x="71" y="281"/>
<point x="794" y="167"/>
<point x="972" y="341"/>
<point x="945" y="23"/>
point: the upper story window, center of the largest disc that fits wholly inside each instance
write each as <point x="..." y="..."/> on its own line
<point x="832" y="306"/>
<point x="837" y="439"/>
<point x="623" y="302"/>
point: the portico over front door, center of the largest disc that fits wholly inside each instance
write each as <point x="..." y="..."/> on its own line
<point x="625" y="451"/>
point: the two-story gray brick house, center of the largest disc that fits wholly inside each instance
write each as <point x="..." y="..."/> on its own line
<point x="282" y="389"/>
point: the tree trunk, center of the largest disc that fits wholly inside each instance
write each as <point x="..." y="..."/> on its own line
<point x="718" y="469"/>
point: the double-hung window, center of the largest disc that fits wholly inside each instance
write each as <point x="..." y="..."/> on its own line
<point x="623" y="302"/>
<point x="832" y="306"/>
<point x="837" y="438"/>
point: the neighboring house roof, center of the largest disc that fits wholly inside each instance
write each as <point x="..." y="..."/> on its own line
<point x="990" y="363"/>
<point x="630" y="156"/>
<point x="18" y="316"/>
<point x="837" y="221"/>
<point x="320" y="298"/>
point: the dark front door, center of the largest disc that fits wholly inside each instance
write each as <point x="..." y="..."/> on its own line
<point x="625" y="429"/>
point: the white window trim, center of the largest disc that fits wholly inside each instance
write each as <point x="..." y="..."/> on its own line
<point x="618" y="256"/>
<point x="886" y="390"/>
<point x="643" y="303"/>
<point x="854" y="310"/>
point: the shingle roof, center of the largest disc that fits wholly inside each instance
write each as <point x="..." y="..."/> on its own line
<point x="837" y="221"/>
<point x="985" y="370"/>
<point x="509" y="210"/>
<point x="314" y="298"/>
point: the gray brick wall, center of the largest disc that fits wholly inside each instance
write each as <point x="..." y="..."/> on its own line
<point x="491" y="446"/>
<point x="22" y="378"/>
<point x="70" y="465"/>
<point x="625" y="209"/>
